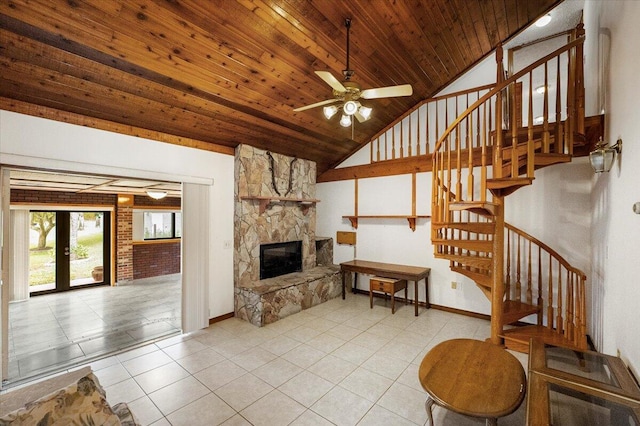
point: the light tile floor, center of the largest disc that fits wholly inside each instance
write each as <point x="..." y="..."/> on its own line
<point x="339" y="363"/>
<point x="53" y="331"/>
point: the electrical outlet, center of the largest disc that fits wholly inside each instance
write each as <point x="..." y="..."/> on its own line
<point x="454" y="285"/>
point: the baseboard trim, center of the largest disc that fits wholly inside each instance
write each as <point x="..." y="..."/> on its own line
<point x="461" y="312"/>
<point x="221" y="318"/>
<point x="438" y="307"/>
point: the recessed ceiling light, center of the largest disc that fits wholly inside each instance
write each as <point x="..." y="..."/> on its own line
<point x="544" y="20"/>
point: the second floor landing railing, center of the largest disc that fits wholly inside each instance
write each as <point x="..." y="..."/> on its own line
<point x="416" y="132"/>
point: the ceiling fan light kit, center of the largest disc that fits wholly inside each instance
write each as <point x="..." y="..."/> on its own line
<point x="345" y="121"/>
<point x="330" y="111"/>
<point x="348" y="92"/>
<point x="350" y="107"/>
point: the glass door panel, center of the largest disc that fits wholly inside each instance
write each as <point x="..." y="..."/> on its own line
<point x="86" y="242"/>
<point x="68" y="249"/>
<point x="42" y="251"/>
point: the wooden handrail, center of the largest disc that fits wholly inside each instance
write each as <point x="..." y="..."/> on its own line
<point x="502" y="85"/>
<point x="563" y="302"/>
<point x="548" y="249"/>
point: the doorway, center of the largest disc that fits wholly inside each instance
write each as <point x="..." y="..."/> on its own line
<point x="68" y="250"/>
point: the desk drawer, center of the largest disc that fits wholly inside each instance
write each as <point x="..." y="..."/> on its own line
<point x="387" y="285"/>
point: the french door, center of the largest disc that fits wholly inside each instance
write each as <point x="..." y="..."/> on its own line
<point x="68" y="249"/>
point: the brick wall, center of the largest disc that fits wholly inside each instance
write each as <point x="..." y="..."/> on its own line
<point x="69" y="198"/>
<point x="152" y="260"/>
<point x="141" y="201"/>
<point x="124" y="239"/>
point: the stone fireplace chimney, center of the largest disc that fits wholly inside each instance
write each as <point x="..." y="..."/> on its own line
<point x="269" y="208"/>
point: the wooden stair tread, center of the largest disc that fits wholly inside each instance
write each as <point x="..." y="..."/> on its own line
<point x="501" y="187"/>
<point x="479" y="207"/>
<point x="472" y="261"/>
<point x="466" y="244"/>
<point x="514" y="310"/>
<point x="499" y="183"/>
<point x="543" y="160"/>
<point x="483" y="280"/>
<point x="475" y="227"/>
<point x="519" y="337"/>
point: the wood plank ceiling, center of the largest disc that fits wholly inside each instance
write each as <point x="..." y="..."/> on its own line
<point x="215" y="74"/>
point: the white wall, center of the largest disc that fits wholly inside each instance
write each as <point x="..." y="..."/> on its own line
<point x="556" y="209"/>
<point x="613" y="60"/>
<point x="41" y="143"/>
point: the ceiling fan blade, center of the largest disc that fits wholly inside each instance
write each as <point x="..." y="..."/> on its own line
<point x="331" y="81"/>
<point x="387" y="92"/>
<point x="317" y="104"/>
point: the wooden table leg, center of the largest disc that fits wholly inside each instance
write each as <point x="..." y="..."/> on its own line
<point x="415" y="295"/>
<point x="426" y="292"/>
<point x="344" y="278"/>
<point x="370" y="298"/>
<point x="491" y="421"/>
<point x="428" y="405"/>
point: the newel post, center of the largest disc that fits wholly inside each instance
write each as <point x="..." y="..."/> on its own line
<point x="580" y="80"/>
<point x="497" y="285"/>
<point x="497" y="146"/>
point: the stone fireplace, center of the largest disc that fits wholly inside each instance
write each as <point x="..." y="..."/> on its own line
<point x="275" y="207"/>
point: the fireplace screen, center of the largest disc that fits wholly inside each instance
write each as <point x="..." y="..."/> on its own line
<point x="280" y="258"/>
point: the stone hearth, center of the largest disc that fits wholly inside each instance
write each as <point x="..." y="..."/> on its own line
<point x="276" y="298"/>
<point x="259" y="175"/>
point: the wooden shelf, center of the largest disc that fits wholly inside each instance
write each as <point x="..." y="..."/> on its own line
<point x="410" y="218"/>
<point x="265" y="201"/>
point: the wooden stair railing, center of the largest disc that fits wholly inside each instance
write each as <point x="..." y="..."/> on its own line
<point x="467" y="194"/>
<point x="539" y="281"/>
<point x="415" y="132"/>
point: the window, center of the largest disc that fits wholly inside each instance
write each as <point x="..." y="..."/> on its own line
<point x="159" y="225"/>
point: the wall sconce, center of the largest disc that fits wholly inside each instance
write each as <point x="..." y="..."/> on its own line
<point x="602" y="157"/>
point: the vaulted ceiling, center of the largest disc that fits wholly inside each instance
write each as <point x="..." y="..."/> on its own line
<point x="215" y="74"/>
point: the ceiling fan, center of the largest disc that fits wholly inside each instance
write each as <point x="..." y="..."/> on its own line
<point x="349" y="92"/>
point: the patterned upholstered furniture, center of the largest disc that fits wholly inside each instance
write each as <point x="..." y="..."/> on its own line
<point x="71" y="398"/>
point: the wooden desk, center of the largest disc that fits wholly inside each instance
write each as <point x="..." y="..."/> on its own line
<point x="389" y="270"/>
<point x="473" y="378"/>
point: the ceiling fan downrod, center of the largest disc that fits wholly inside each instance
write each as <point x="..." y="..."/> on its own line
<point x="348" y="72"/>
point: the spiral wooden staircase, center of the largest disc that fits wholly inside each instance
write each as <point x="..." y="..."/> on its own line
<point x="489" y="151"/>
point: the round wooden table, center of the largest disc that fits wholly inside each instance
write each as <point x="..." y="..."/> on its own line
<point x="473" y="378"/>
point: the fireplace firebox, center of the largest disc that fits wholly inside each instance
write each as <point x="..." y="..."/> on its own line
<point x="280" y="258"/>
